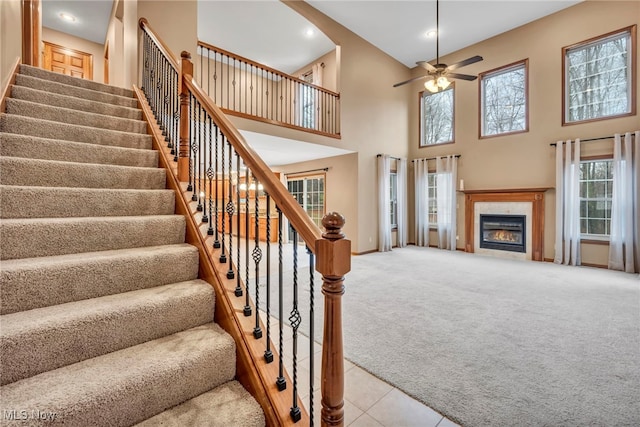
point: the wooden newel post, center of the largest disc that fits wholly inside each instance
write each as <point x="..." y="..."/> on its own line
<point x="186" y="68"/>
<point x="333" y="262"/>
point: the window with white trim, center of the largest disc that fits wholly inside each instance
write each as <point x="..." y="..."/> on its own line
<point x="432" y="191"/>
<point x="393" y="176"/>
<point x="598" y="80"/>
<point x="596" y="188"/>
<point x="436" y="117"/>
<point x="307" y="102"/>
<point x="503" y="100"/>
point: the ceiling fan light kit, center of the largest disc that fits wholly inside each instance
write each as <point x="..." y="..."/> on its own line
<point x="440" y="74"/>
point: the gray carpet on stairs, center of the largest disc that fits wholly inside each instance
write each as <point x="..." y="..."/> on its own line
<point x="103" y="319"/>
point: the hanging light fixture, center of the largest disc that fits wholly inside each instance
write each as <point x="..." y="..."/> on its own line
<point x="439" y="82"/>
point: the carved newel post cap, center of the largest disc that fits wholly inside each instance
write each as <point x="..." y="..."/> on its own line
<point x="333" y="223"/>
<point x="185" y="55"/>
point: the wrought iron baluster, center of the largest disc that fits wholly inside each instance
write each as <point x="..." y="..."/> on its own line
<point x="247" y="304"/>
<point x="210" y="176"/>
<point x="257" y="257"/>
<point x="223" y="254"/>
<point x="238" y="289"/>
<point x="230" y="212"/>
<point x="268" y="354"/>
<point x="191" y="144"/>
<point x="197" y="158"/>
<point x="216" y="242"/>
<point x="295" y="320"/>
<point x="281" y="381"/>
<point x="312" y="264"/>
<point x="204" y="167"/>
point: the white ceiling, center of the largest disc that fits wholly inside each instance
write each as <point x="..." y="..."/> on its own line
<point x="269" y="32"/>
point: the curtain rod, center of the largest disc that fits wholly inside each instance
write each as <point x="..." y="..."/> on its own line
<point x="553" y="144"/>
<point x="395" y="158"/>
<point x="433" y="158"/>
<point x="310" y="170"/>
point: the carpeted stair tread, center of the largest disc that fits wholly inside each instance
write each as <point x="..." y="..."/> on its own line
<point x="72" y="102"/>
<point x="23" y="125"/>
<point x="37" y="110"/>
<point x="29" y="238"/>
<point x="54" y="173"/>
<point x="74" y="81"/>
<point x="36" y="341"/>
<point x="57" y="202"/>
<point x="129" y="385"/>
<point x="77" y="92"/>
<point x="227" y="405"/>
<point x="29" y="283"/>
<point x="15" y="145"/>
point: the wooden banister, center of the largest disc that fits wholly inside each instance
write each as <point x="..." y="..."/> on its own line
<point x="144" y="24"/>
<point x="298" y="218"/>
<point x="265" y="67"/>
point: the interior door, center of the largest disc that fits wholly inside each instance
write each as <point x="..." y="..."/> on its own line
<point x="71" y="62"/>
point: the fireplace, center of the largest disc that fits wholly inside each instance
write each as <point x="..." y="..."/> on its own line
<point x="503" y="232"/>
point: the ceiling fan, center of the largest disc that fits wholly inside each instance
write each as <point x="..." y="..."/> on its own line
<point x="439" y="74"/>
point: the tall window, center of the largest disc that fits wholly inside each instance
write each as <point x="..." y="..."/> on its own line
<point x="394" y="199"/>
<point x="599" y="77"/>
<point x="307" y="103"/>
<point x="309" y="192"/>
<point x="436" y="117"/>
<point x="432" y="189"/>
<point x="596" y="189"/>
<point x="503" y="100"/>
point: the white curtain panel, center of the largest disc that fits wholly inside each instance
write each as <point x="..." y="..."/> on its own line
<point x="446" y="175"/>
<point x="384" y="203"/>
<point x="623" y="241"/>
<point x="567" y="245"/>
<point x="401" y="174"/>
<point x="420" y="176"/>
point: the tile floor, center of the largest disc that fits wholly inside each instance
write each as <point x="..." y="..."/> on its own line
<point x="368" y="401"/>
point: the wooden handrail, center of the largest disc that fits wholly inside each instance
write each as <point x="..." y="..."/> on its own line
<point x="144" y="24"/>
<point x="266" y="68"/>
<point x="291" y="209"/>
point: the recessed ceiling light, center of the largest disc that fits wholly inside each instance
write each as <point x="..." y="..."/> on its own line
<point x="67" y="17"/>
<point x="431" y="33"/>
<point x="309" y="32"/>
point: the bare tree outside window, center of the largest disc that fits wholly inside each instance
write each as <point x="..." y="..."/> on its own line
<point x="307" y="103"/>
<point x="504" y="100"/>
<point x="598" y="79"/>
<point x="437" y="117"/>
<point x="596" y="190"/>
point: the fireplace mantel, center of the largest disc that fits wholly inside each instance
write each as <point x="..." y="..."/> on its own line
<point x="533" y="195"/>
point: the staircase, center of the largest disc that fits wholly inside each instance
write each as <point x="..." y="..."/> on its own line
<point x="103" y="320"/>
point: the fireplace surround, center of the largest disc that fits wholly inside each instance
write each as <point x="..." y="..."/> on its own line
<point x="533" y="197"/>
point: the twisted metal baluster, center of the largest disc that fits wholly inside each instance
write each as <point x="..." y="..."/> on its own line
<point x="197" y="193"/>
<point x="268" y="354"/>
<point x="312" y="264"/>
<point x="191" y="144"/>
<point x="216" y="242"/>
<point x="247" y="307"/>
<point x="238" y="290"/>
<point x="281" y="382"/>
<point x="230" y="211"/>
<point x="204" y="172"/>
<point x="295" y="320"/>
<point x="210" y="176"/>
<point x="223" y="255"/>
<point x="257" y="257"/>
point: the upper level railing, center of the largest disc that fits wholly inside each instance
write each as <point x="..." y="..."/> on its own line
<point x="244" y="215"/>
<point x="245" y="88"/>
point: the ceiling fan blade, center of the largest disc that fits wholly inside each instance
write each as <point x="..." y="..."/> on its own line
<point x="464" y="63"/>
<point x="426" y="65"/>
<point x="461" y="76"/>
<point x="409" y="81"/>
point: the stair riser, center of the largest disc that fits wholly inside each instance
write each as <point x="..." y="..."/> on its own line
<point x="48" y="202"/>
<point x="14" y="145"/>
<point x="74" y="81"/>
<point x="77" y="92"/>
<point x="63" y="101"/>
<point x="44" y="282"/>
<point x="73" y="117"/>
<point x="40" y="283"/>
<point x="115" y="390"/>
<point x="19" y="171"/>
<point x="46" y="339"/>
<point x="49" y="237"/>
<point x="66" y="132"/>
